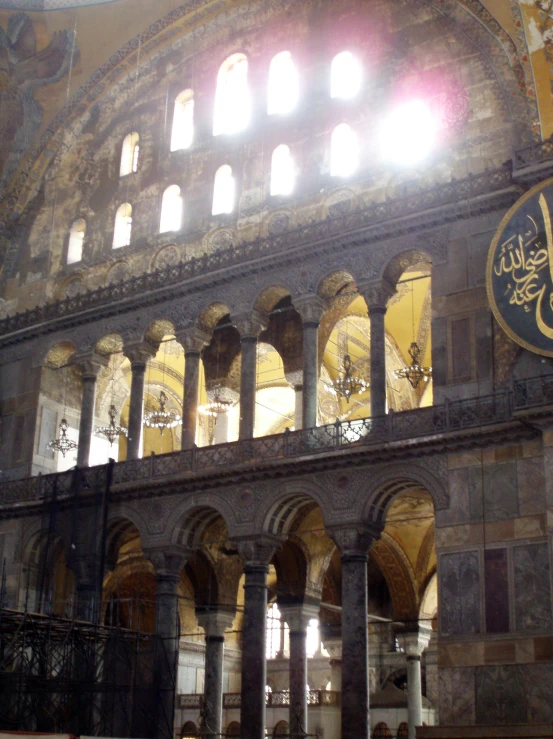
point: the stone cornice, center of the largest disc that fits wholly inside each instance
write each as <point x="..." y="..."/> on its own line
<point x="425" y="210"/>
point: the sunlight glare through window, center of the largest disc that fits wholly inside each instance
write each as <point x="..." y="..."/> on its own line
<point x="171" y="210"/>
<point x="283" y="173"/>
<point x="223" y="191"/>
<point x="408" y="134"/>
<point x="283" y="84"/>
<point x="345" y="76"/>
<point x="232" y="98"/>
<point x="344" y="151"/>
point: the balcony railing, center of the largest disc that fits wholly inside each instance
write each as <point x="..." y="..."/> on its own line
<point x="406" y="428"/>
<point x="276" y="699"/>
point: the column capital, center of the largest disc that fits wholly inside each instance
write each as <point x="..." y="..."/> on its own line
<point x="250" y="325"/>
<point x="91" y="364"/>
<point x="377" y="294"/>
<point x="139" y="353"/>
<point x="311" y="308"/>
<point x="298" y="612"/>
<point x="168" y="561"/>
<point x="193" y="339"/>
<point x="415" y="640"/>
<point x="295" y="378"/>
<point x="214" y="622"/>
<point x="257" y="551"/>
<point x="354" y="540"/>
<point x="333" y="645"/>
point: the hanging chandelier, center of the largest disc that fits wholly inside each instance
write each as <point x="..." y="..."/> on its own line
<point x="221" y="400"/>
<point x="162" y="418"/>
<point x="63" y="443"/>
<point x="348" y="384"/>
<point x="414" y="373"/>
<point x="112" y="431"/>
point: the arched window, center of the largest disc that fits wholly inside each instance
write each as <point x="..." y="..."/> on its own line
<point x="278" y="634"/>
<point x="189" y="730"/>
<point x="223" y="191"/>
<point x="283" y="89"/>
<point x="76" y="239"/>
<point x="345" y="75"/>
<point x="182" y="132"/>
<point x="123" y="226"/>
<point x="232" y="97"/>
<point x="408" y="133"/>
<point x="129" y="154"/>
<point x="171" y="210"/>
<point x="281" y="729"/>
<point x="381" y="731"/>
<point x="344" y="151"/>
<point x="283" y="173"/>
<point x="402" y="731"/>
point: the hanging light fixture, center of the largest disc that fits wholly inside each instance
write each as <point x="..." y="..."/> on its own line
<point x="63" y="443"/>
<point x="414" y="373"/>
<point x="348" y="384"/>
<point x="221" y="400"/>
<point x="162" y="418"/>
<point x="113" y="431"/>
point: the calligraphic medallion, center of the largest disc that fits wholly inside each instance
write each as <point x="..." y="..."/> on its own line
<point x="519" y="275"/>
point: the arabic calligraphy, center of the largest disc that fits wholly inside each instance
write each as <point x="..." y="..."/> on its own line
<point x="520" y="271"/>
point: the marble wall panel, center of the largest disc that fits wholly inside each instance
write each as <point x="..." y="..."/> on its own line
<point x="497" y="590"/>
<point x="500" y="491"/>
<point x="465" y="485"/>
<point x="459" y="593"/>
<point x="532" y="587"/>
<point x="456" y="696"/>
<point x="500" y="695"/>
<point x="538" y="683"/>
<point x="531" y="486"/>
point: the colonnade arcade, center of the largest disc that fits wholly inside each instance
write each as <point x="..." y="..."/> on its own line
<point x="371" y="586"/>
<point x="274" y="367"/>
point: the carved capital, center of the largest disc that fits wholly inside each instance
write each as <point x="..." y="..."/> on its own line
<point x="354" y="539"/>
<point x="377" y="294"/>
<point x="193" y="340"/>
<point x="168" y="561"/>
<point x="91" y="364"/>
<point x="295" y="378"/>
<point x="257" y="551"/>
<point x="214" y="622"/>
<point x="139" y="353"/>
<point x="414" y="641"/>
<point x="311" y="308"/>
<point x="250" y="325"/>
<point x="298" y="612"/>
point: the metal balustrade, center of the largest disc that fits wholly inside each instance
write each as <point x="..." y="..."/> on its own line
<point x="405" y="427"/>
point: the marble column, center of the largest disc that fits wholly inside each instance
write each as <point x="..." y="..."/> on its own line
<point x="413" y="643"/>
<point x="193" y="341"/>
<point x="376" y="296"/>
<point x="311" y="309"/>
<point x="295" y="379"/>
<point x="138" y="354"/>
<point x="90" y="366"/>
<point x="354" y="544"/>
<point x="215" y="623"/>
<point x="256" y="555"/>
<point x="297" y="616"/>
<point x="249" y="327"/>
<point x="168" y="563"/>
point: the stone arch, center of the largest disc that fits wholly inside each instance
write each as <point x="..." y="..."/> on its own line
<point x="397" y="265"/>
<point x="191" y="520"/>
<point x="122" y="521"/>
<point x="335" y="283"/>
<point x="58" y="354"/>
<point x="189" y="730"/>
<point x="111" y="343"/>
<point x="269" y="296"/>
<point x="203" y="578"/>
<point x="212" y="314"/>
<point x="158" y="329"/>
<point x="277" y="516"/>
<point x="40" y="554"/>
<point x="390" y="482"/>
<point x="399" y="577"/>
<point x="291" y="566"/>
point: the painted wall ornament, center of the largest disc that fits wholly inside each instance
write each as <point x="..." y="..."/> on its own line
<point x="22" y="70"/>
<point x="519" y="275"/>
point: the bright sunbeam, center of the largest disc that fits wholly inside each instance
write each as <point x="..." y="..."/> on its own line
<point x="408" y="134"/>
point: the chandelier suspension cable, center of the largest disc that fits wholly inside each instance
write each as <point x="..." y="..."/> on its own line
<point x="162" y="418"/>
<point x="63" y="443"/>
<point x="414" y="373"/>
<point x="347" y="383"/>
<point x="220" y="399"/>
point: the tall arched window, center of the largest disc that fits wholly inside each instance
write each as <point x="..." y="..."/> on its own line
<point x="232" y="97"/>
<point x="182" y="132"/>
<point x="344" y="151"/>
<point x="223" y="191"/>
<point x="345" y="75"/>
<point x="129" y="154"/>
<point x="171" y="210"/>
<point x="76" y="239"/>
<point x="123" y="226"/>
<point x="283" y="89"/>
<point x="278" y="634"/>
<point x="283" y="172"/>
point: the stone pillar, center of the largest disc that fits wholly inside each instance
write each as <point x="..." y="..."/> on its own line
<point x="414" y="642"/>
<point x="249" y="327"/>
<point x="138" y="354"/>
<point x="193" y="341"/>
<point x="297" y="616"/>
<point x="256" y="555"/>
<point x="354" y="543"/>
<point x="376" y="296"/>
<point x="90" y="366"/>
<point x="295" y="379"/>
<point x="311" y="309"/>
<point x="333" y="646"/>
<point x="215" y="623"/>
<point x="168" y="563"/>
